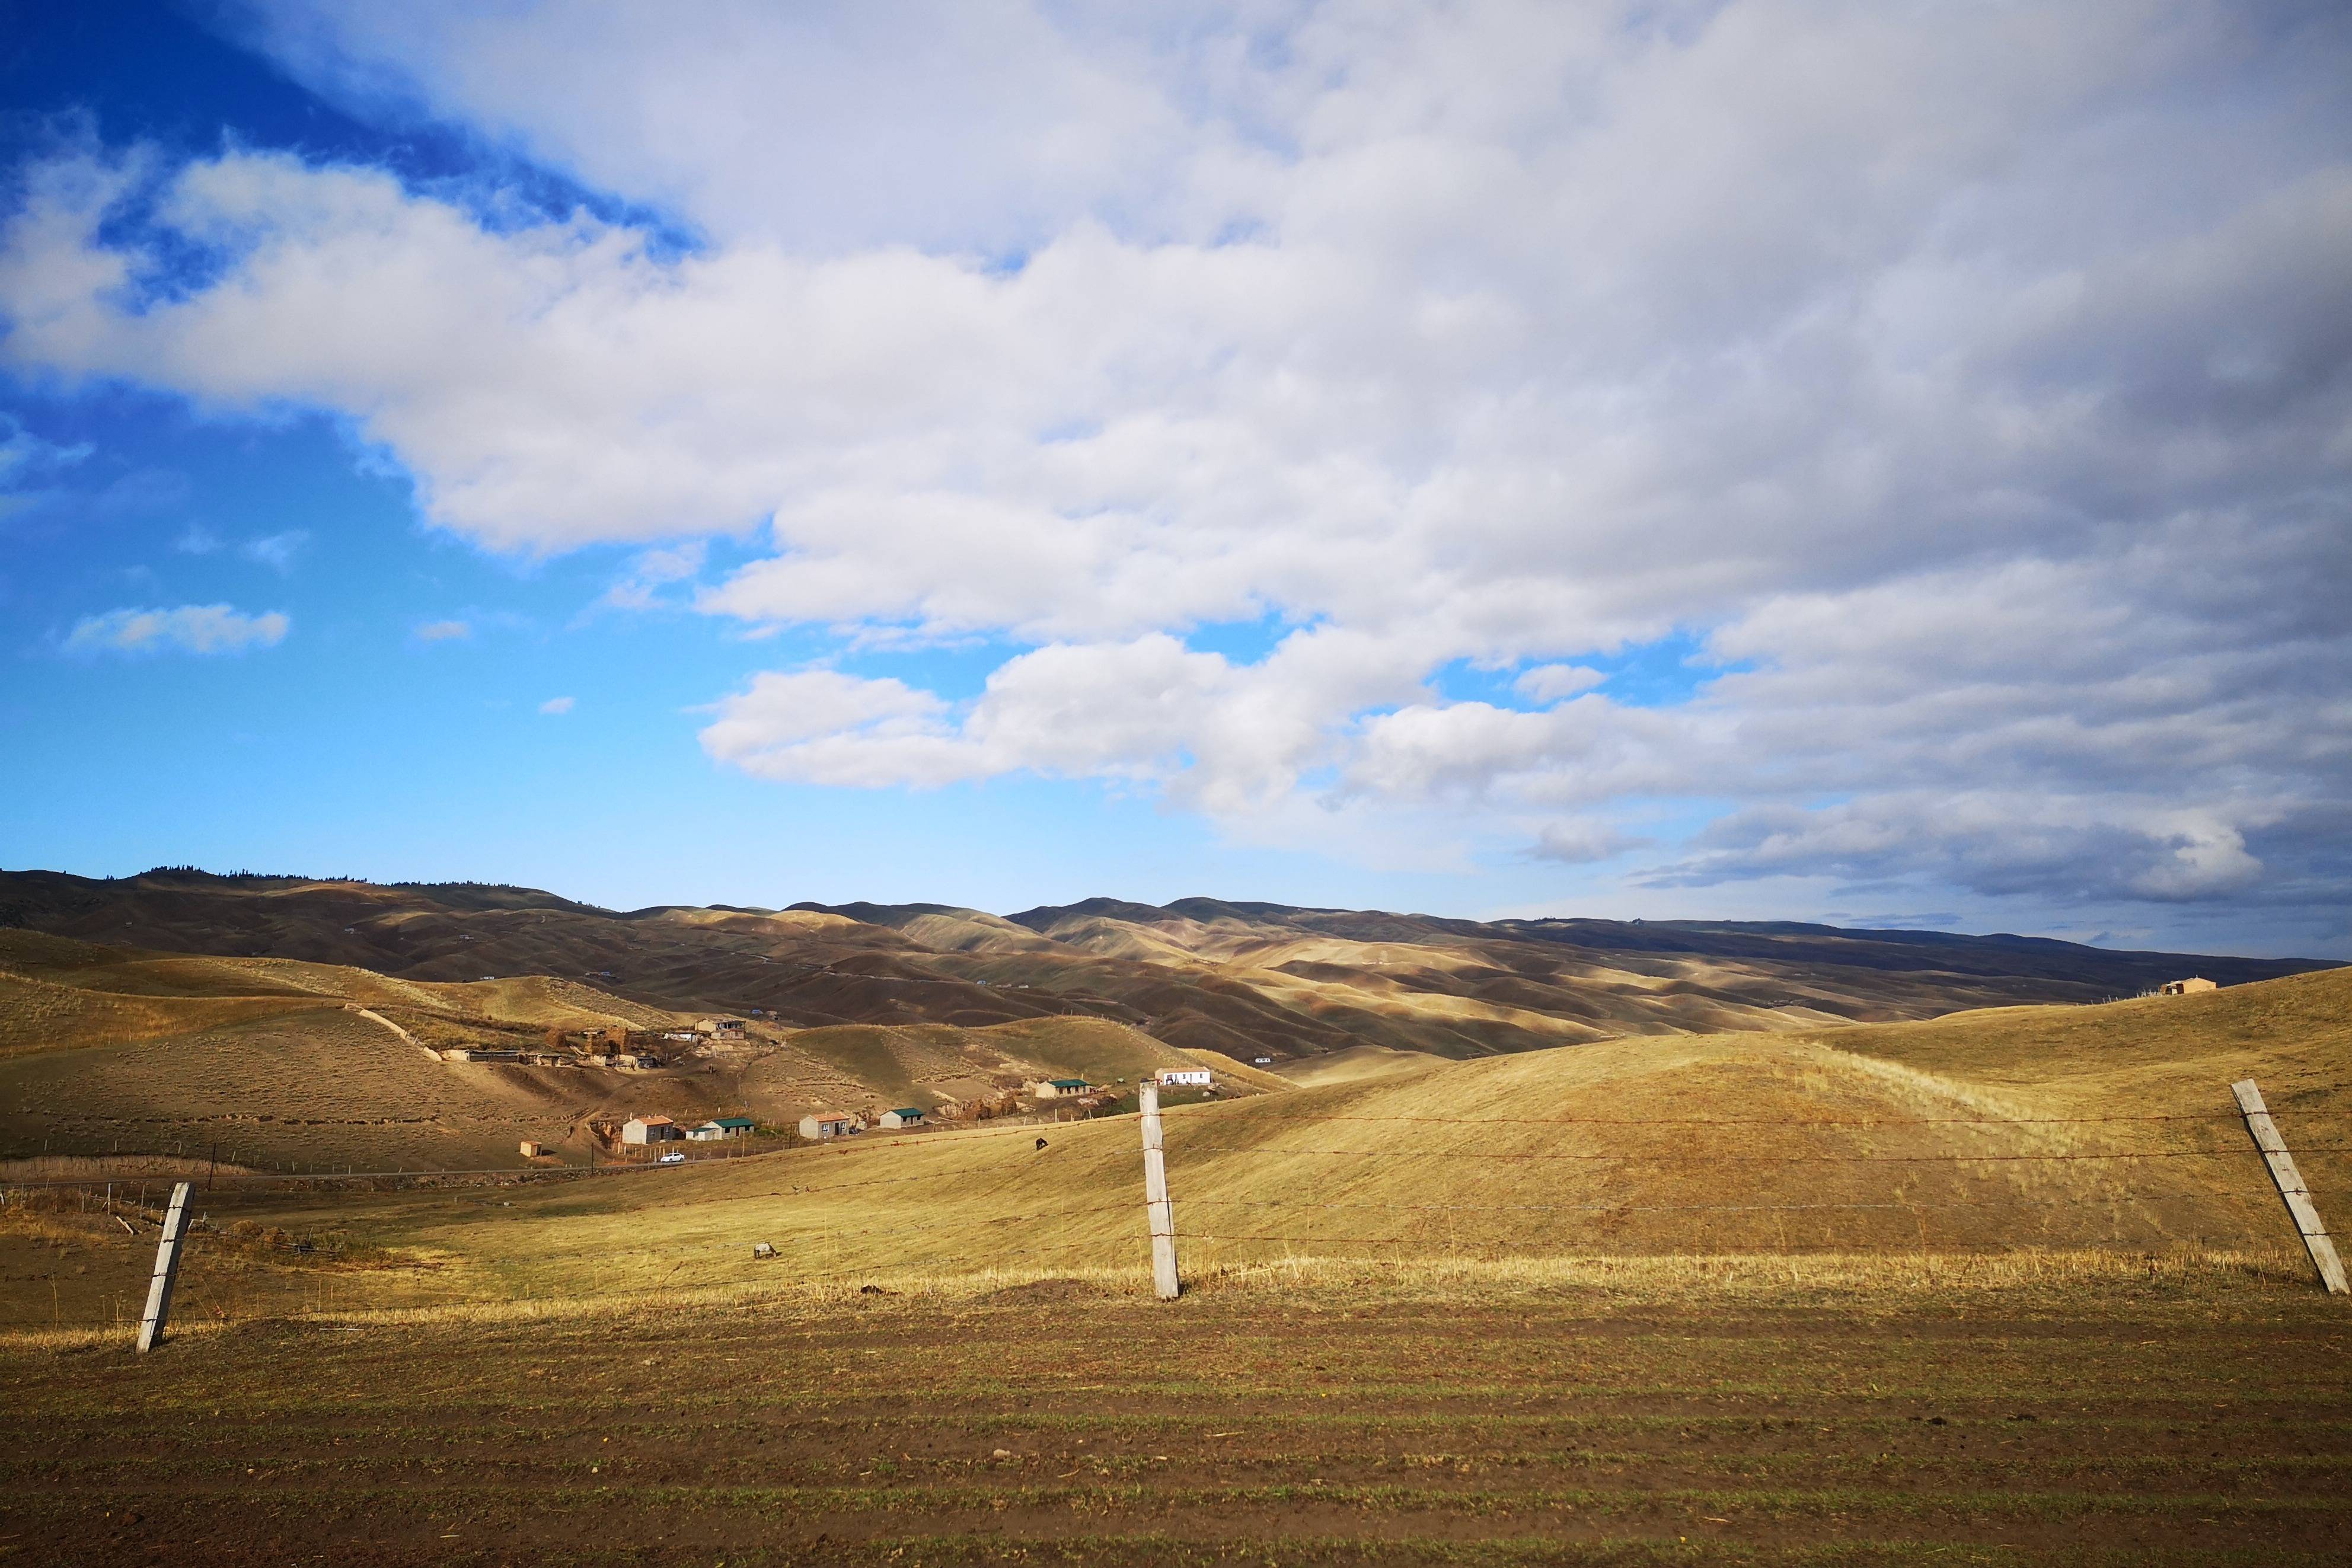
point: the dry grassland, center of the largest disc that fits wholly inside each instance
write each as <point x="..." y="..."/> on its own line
<point x="1884" y="1296"/>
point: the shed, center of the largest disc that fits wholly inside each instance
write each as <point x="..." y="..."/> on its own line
<point x="2185" y="987"/>
<point x="531" y="1151"/>
<point x="828" y="1124"/>
<point x="649" y="1130"/>
<point x="903" y="1116"/>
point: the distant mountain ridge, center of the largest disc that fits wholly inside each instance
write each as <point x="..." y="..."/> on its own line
<point x="1239" y="977"/>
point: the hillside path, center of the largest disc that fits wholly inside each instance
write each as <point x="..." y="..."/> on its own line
<point x="379" y="1018"/>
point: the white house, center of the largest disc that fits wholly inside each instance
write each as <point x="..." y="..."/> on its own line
<point x="904" y="1116"/>
<point x="1184" y="1078"/>
<point x="722" y="1127"/>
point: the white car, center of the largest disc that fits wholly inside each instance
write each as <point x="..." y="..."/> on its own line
<point x="674" y="1157"/>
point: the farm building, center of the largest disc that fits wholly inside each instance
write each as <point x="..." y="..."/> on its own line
<point x="828" y="1124"/>
<point x="1183" y="1078"/>
<point x="724" y="1028"/>
<point x="1060" y="1088"/>
<point x="904" y="1116"/>
<point x="531" y="1151"/>
<point x="649" y="1130"/>
<point x="2185" y="987"/>
<point x="721" y="1127"/>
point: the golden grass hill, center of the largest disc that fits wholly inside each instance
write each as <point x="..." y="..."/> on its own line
<point x="281" y="1024"/>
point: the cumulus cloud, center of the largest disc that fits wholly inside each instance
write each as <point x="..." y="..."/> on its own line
<point x="190" y="628"/>
<point x="1974" y="383"/>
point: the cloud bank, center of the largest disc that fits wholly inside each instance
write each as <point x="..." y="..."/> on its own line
<point x="1970" y="390"/>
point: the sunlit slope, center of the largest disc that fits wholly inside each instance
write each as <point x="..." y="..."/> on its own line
<point x="2294" y="1035"/>
<point x="1240" y="978"/>
<point x="1734" y="1143"/>
<point x="282" y="1063"/>
<point x="107" y="1051"/>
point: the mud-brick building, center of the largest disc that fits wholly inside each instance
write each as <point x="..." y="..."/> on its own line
<point x="828" y="1124"/>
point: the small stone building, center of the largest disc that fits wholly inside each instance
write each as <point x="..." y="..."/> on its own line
<point x="2189" y="987"/>
<point x="649" y="1130"/>
<point x="828" y="1124"/>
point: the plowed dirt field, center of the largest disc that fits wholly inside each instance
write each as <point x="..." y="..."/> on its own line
<point x="2198" y="1421"/>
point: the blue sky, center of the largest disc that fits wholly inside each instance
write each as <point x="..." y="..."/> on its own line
<point x="1512" y="461"/>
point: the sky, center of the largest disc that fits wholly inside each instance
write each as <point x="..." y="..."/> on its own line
<point x="1881" y="464"/>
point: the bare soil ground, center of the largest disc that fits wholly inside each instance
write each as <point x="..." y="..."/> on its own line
<point x="2204" y="1418"/>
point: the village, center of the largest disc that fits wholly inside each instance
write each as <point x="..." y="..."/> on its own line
<point x="1044" y="1099"/>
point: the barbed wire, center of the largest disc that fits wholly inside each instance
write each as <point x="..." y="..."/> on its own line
<point x="2101" y="1201"/>
<point x="1712" y="1158"/>
<point x="2230" y="1116"/>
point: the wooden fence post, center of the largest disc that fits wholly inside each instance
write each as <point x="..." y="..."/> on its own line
<point x="167" y="1269"/>
<point x="2290" y="1187"/>
<point x="1156" y="1206"/>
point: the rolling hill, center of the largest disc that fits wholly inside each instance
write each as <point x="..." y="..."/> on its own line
<point x="287" y="1021"/>
<point x="1246" y="979"/>
<point x="110" y="1052"/>
<point x="2027" y="1132"/>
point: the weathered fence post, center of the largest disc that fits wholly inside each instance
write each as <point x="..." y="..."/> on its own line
<point x="1156" y="1206"/>
<point x="167" y="1269"/>
<point x="2289" y="1181"/>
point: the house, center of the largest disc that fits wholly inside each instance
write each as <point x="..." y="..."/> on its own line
<point x="1060" y="1088"/>
<point x="904" y="1116"/>
<point x="711" y="1132"/>
<point x="2189" y="987"/>
<point x="1183" y="1078"/>
<point x="724" y="1028"/>
<point x="828" y="1124"/>
<point x="1263" y="1060"/>
<point x="649" y="1130"/>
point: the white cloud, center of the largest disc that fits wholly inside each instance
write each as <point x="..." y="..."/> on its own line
<point x="25" y="459"/>
<point x="1550" y="683"/>
<point x="190" y="628"/>
<point x="1584" y="841"/>
<point x="556" y="705"/>
<point x="1976" y="384"/>
<point x="276" y="551"/>
<point x="444" y="631"/>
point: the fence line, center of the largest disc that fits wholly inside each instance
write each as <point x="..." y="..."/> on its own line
<point x="1749" y="1159"/>
<point x="1768" y="1122"/>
